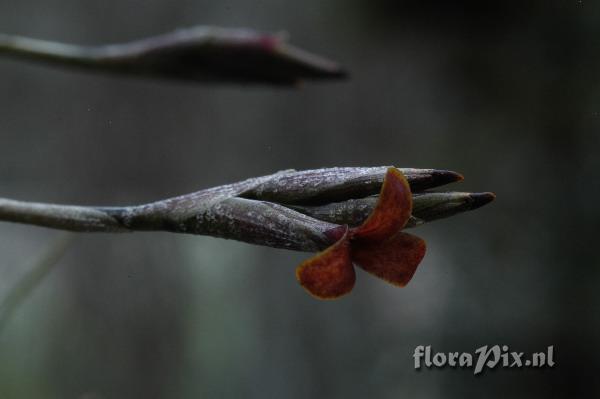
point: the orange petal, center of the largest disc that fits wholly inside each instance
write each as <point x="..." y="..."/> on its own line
<point x="329" y="274"/>
<point x="394" y="260"/>
<point x="391" y="212"/>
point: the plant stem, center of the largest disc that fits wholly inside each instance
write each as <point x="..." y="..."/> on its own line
<point x="267" y="210"/>
<point x="201" y="54"/>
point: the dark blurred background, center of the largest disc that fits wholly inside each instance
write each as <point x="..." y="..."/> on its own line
<point x="507" y="94"/>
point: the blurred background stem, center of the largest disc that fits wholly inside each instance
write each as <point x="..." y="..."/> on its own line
<point x="40" y="269"/>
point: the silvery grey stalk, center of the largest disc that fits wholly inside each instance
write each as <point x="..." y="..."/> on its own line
<point x="198" y="54"/>
<point x="289" y="209"/>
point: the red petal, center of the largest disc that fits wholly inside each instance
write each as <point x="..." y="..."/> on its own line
<point x="394" y="260"/>
<point x="329" y="274"/>
<point x="391" y="212"/>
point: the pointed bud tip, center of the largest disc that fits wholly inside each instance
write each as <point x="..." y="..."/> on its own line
<point x="430" y="178"/>
<point x="340" y="73"/>
<point x="442" y="177"/>
<point x="333" y="71"/>
<point x="481" y="199"/>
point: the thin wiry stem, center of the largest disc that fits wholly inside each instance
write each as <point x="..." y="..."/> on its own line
<point x="288" y="209"/>
<point x="32" y="279"/>
<point x="200" y="54"/>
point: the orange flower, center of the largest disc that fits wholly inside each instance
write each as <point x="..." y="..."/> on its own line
<point x="376" y="246"/>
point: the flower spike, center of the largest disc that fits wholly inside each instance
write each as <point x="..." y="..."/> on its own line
<point x="394" y="260"/>
<point x="329" y="274"/>
<point x="391" y="212"/>
<point x="377" y="246"/>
